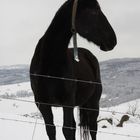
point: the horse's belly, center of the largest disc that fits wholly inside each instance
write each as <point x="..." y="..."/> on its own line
<point x="84" y="92"/>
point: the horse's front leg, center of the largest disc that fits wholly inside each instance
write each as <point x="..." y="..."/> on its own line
<point x="69" y="126"/>
<point x="46" y="112"/>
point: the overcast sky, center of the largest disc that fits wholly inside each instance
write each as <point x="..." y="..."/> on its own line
<point x="23" y="22"/>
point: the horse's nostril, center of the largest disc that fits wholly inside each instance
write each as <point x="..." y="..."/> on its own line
<point x="107" y="47"/>
<point x="104" y="49"/>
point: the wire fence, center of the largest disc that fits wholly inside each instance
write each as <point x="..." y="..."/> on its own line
<point x="72" y="128"/>
<point x="66" y="79"/>
<point x="66" y="106"/>
<point x="38" y="123"/>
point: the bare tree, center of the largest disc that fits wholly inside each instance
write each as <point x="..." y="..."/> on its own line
<point x="133" y="109"/>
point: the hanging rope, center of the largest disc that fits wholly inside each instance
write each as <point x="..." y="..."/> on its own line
<point x="74" y="11"/>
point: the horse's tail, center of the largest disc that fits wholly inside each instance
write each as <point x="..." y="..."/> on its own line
<point x="84" y="124"/>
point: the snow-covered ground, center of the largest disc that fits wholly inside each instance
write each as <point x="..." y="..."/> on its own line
<point x="17" y="118"/>
<point x="15" y="89"/>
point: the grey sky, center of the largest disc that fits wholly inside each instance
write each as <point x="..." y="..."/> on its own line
<point x="23" y="22"/>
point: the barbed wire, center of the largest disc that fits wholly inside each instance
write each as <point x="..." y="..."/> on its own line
<point x="72" y="128"/>
<point x="67" y="106"/>
<point x="66" y="79"/>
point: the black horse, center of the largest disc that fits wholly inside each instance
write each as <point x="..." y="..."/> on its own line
<point x="53" y="59"/>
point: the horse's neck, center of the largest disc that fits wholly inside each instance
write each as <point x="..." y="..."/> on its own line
<point x="57" y="37"/>
<point x="56" y="44"/>
<point x="51" y="51"/>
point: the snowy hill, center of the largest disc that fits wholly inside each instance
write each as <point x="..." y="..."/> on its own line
<point x="14" y="74"/>
<point x="120" y="78"/>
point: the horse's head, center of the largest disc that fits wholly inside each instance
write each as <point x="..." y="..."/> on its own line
<point x="92" y="24"/>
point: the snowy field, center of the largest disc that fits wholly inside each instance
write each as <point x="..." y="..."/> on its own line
<point x="17" y="118"/>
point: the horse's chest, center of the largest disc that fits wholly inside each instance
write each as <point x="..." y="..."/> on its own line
<point x="59" y="90"/>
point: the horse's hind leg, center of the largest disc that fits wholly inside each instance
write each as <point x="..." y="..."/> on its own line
<point x="88" y="120"/>
<point x="48" y="118"/>
<point x="93" y="103"/>
<point x="69" y="126"/>
<point x="93" y="115"/>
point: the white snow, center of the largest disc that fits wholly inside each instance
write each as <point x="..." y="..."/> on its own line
<point x="13" y="111"/>
<point x="14" y="88"/>
<point x="103" y="96"/>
